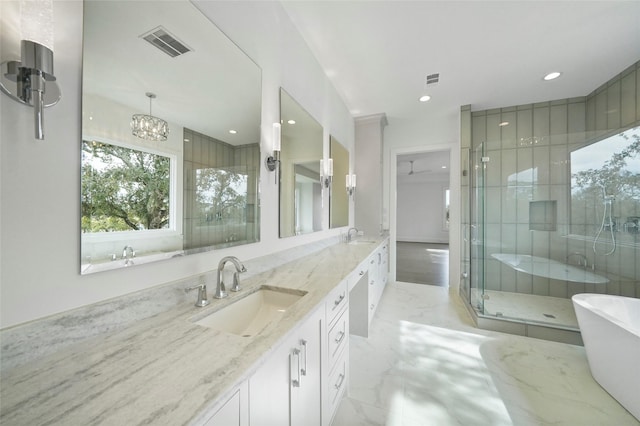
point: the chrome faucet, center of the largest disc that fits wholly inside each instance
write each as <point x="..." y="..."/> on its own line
<point x="128" y="260"/>
<point x="349" y="233"/>
<point x="582" y="258"/>
<point x="220" y="288"/>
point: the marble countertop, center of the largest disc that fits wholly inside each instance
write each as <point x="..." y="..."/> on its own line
<point x="165" y="369"/>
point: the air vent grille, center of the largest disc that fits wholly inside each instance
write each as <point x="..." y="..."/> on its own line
<point x="433" y="78"/>
<point x="165" y="41"/>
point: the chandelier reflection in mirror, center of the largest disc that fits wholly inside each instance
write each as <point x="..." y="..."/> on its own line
<point x="149" y="127"/>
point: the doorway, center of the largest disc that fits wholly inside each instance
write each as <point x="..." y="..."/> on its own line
<point x="422" y="217"/>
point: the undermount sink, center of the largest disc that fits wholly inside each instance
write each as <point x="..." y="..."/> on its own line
<point x="249" y="315"/>
<point x="362" y="242"/>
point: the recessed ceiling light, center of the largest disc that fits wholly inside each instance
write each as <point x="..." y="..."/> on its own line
<point x="444" y="167"/>
<point x="185" y="139"/>
<point x="504" y="123"/>
<point x="233" y="132"/>
<point x="291" y="121"/>
<point x="552" y="75"/>
<point x="425" y="98"/>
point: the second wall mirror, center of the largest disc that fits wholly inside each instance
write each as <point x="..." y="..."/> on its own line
<point x="301" y="151"/>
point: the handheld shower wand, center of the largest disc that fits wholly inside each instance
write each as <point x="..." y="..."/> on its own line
<point x="607" y="220"/>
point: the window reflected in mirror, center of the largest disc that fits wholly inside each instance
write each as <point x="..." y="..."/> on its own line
<point x="605" y="190"/>
<point x="124" y="189"/>
<point x="220" y="192"/>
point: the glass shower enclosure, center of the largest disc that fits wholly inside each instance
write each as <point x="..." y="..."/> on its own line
<point x="551" y="208"/>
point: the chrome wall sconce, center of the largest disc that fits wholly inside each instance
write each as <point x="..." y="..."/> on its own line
<point x="326" y="173"/>
<point x="31" y="81"/>
<point x="351" y="184"/>
<point x="272" y="161"/>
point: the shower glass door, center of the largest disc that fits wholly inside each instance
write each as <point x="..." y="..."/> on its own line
<point x="477" y="228"/>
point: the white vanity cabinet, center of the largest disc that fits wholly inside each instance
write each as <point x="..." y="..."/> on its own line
<point x="378" y="276"/>
<point x="336" y="353"/>
<point x="366" y="287"/>
<point x="285" y="390"/>
<point x="233" y="411"/>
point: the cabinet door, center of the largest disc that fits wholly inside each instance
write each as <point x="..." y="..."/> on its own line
<point x="306" y="399"/>
<point x="228" y="414"/>
<point x="269" y="391"/>
<point x="285" y="390"/>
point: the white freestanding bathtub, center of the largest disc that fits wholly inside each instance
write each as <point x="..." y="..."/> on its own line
<point x="610" y="327"/>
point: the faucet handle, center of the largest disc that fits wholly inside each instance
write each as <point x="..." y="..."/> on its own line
<point x="236" y="281"/>
<point x="201" y="301"/>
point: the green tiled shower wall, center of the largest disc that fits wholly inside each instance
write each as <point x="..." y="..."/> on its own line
<point x="202" y="151"/>
<point x="539" y="139"/>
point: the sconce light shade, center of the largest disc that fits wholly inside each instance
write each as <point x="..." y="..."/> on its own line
<point x="350" y="184"/>
<point x="277" y="135"/>
<point x="326" y="173"/>
<point x="36" y="22"/>
<point x="31" y="80"/>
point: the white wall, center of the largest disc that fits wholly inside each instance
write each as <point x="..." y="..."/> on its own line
<point x="40" y="180"/>
<point x="421" y="210"/>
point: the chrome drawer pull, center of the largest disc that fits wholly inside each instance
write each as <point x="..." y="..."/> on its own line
<point x="296" y="382"/>
<point x="340" y="380"/>
<point x="304" y="345"/>
<point x="340" y="337"/>
<point x="338" y="300"/>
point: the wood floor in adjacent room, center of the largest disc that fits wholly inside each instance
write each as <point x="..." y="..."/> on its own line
<point x="422" y="263"/>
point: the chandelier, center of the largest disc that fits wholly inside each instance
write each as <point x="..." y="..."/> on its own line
<point x="149" y="127"/>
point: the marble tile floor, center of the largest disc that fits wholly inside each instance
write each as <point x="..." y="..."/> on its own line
<point x="422" y="263"/>
<point x="425" y="364"/>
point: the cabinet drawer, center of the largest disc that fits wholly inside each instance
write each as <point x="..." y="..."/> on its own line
<point x="337" y="383"/>
<point x="337" y="300"/>
<point x="338" y="337"/>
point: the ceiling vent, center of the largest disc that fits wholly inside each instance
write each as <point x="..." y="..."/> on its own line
<point x="163" y="40"/>
<point x="433" y="78"/>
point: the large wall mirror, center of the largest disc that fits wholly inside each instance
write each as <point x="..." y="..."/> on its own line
<point x="339" y="202"/>
<point x="198" y="189"/>
<point x="300" y="155"/>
